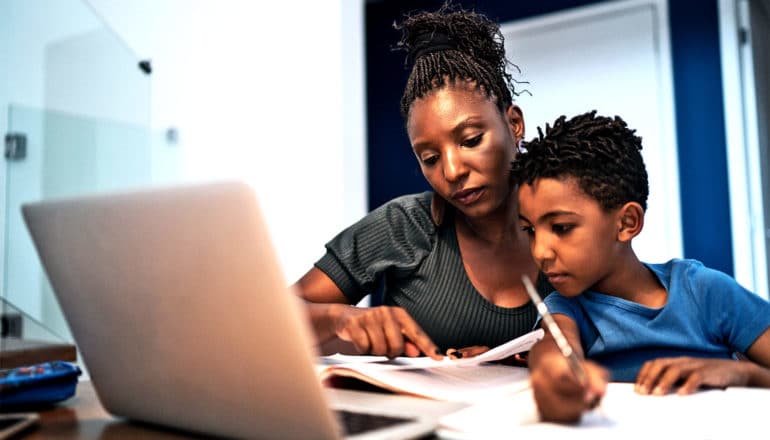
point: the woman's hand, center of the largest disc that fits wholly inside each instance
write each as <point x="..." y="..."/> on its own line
<point x="660" y="376"/>
<point x="467" y="352"/>
<point x="384" y="331"/>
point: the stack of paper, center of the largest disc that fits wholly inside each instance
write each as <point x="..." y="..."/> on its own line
<point x="462" y="380"/>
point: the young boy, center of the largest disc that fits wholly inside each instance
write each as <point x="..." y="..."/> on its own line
<point x="582" y="191"/>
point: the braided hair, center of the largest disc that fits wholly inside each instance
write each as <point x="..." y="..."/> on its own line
<point x="452" y="45"/>
<point x="603" y="154"/>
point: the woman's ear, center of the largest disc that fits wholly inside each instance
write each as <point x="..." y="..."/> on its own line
<point x="515" y="119"/>
<point x="630" y="221"/>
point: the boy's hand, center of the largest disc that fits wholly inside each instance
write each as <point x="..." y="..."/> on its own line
<point x="560" y="397"/>
<point x="660" y="376"/>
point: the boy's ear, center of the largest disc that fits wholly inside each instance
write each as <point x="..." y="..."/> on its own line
<point x="630" y="221"/>
<point x="515" y="119"/>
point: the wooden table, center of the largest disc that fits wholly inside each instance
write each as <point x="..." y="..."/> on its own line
<point x="16" y="352"/>
<point x="82" y="416"/>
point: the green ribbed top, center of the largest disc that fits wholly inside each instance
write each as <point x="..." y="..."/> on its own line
<point x="421" y="268"/>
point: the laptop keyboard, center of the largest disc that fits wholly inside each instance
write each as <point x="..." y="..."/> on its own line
<point x="357" y="423"/>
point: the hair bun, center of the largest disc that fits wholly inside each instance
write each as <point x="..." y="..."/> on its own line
<point x="428" y="41"/>
<point x="451" y="27"/>
<point x="454" y="44"/>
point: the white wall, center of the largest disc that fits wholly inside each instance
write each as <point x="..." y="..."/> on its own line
<point x="269" y="92"/>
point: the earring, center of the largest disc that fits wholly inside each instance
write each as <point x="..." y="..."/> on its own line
<point x="437" y="209"/>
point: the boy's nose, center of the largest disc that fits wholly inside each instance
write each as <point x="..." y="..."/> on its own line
<point x="541" y="252"/>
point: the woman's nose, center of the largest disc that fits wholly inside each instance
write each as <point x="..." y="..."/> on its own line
<point x="454" y="167"/>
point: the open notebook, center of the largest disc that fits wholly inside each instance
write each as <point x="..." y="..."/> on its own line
<point x="182" y="315"/>
<point x="467" y="380"/>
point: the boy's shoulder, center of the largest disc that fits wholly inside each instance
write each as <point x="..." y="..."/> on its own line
<point x="678" y="267"/>
<point x="691" y="274"/>
<point x="675" y="264"/>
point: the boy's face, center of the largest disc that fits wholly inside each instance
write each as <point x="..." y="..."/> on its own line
<point x="572" y="239"/>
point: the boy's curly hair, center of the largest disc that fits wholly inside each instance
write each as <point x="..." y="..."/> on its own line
<point x="603" y="154"/>
<point x="453" y="44"/>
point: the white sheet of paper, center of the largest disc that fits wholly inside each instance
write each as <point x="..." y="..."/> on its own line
<point x="518" y="345"/>
<point x="716" y="414"/>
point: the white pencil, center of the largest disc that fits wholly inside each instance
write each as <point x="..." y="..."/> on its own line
<point x="553" y="328"/>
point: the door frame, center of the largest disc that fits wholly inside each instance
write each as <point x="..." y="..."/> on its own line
<point x="743" y="147"/>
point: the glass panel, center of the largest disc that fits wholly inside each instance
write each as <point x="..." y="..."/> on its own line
<point x="69" y="155"/>
<point x="71" y="91"/>
<point x="38" y="344"/>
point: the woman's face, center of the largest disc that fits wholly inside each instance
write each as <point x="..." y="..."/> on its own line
<point x="465" y="145"/>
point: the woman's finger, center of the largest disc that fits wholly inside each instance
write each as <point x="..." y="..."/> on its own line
<point x="392" y="333"/>
<point x="414" y="333"/>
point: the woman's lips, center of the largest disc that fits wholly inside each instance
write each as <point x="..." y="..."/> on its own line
<point x="467" y="196"/>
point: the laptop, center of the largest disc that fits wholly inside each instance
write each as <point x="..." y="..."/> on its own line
<point x="182" y="315"/>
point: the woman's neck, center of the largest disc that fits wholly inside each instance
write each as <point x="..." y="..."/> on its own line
<point x="499" y="228"/>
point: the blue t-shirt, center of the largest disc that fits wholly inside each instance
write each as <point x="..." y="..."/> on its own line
<point x="707" y="314"/>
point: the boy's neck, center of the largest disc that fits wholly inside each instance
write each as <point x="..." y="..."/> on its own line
<point x="633" y="281"/>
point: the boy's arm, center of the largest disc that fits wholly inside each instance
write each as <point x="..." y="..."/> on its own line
<point x="559" y="395"/>
<point x="661" y="375"/>
<point x="759" y="352"/>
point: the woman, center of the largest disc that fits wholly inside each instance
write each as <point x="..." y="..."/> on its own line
<point x="451" y="260"/>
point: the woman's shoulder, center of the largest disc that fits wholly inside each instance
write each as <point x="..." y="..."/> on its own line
<point x="404" y="219"/>
<point x="411" y="209"/>
<point x="418" y="203"/>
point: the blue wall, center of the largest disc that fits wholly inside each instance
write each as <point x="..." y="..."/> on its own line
<point x="393" y="170"/>
<point x="701" y="133"/>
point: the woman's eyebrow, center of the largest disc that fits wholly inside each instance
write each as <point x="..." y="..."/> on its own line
<point x="471" y="122"/>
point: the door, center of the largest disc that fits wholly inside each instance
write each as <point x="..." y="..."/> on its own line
<point x="613" y="58"/>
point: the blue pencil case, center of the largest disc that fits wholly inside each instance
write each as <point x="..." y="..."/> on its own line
<point x="38" y="384"/>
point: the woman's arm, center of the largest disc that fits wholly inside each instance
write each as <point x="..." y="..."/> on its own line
<point x="325" y="302"/>
<point x="382" y="330"/>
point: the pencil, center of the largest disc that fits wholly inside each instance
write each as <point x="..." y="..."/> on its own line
<point x="564" y="347"/>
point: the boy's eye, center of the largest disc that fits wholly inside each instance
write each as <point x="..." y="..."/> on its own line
<point x="562" y="228"/>
<point x="472" y="142"/>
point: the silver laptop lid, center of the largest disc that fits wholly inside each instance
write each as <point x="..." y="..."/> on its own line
<point x="181" y="312"/>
